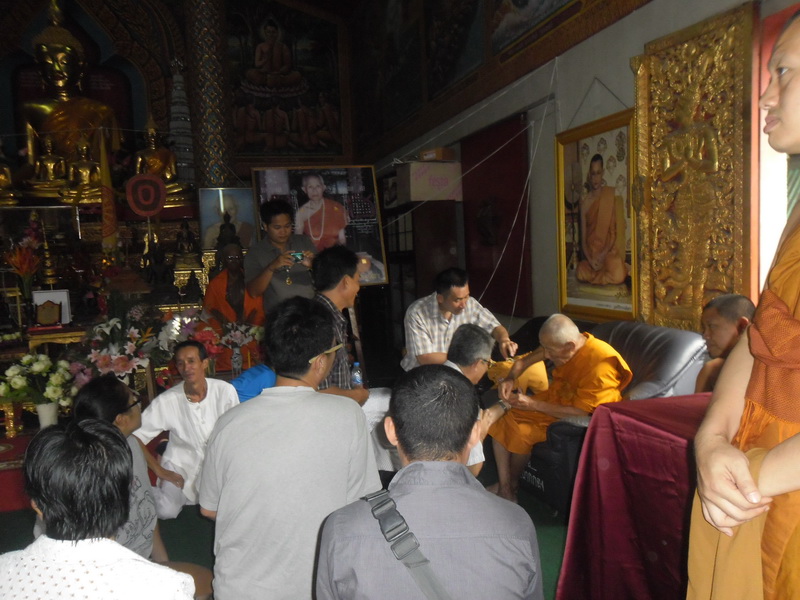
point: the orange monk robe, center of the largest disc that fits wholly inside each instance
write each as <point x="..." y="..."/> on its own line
<point x="531" y="381"/>
<point x="721" y="567"/>
<point x="603" y="241"/>
<point x="215" y="299"/>
<point x="323" y="226"/>
<point x="596" y="375"/>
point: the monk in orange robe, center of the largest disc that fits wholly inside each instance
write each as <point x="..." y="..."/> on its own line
<point x="602" y="238"/>
<point x="228" y="301"/>
<point x="747" y="447"/>
<point x="588" y="372"/>
<point x="322" y="219"/>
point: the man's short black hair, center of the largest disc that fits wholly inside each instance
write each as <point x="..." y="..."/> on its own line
<point x="331" y="265"/>
<point x="201" y="349"/>
<point x="434" y="409"/>
<point x="79" y="476"/>
<point x="732" y="307"/>
<point x="102" y="398"/>
<point x="450" y="278"/>
<point x="297" y="330"/>
<point x="273" y="208"/>
<point x="469" y="344"/>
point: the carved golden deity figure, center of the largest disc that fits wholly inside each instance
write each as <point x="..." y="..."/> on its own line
<point x="160" y="161"/>
<point x="689" y="157"/>
<point x="49" y="169"/>
<point x="65" y="115"/>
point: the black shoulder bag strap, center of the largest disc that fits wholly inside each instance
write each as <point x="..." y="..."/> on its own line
<point x="405" y="546"/>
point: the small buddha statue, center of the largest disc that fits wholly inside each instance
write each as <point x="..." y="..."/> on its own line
<point x="8" y="196"/>
<point x="227" y="233"/>
<point x="49" y="168"/>
<point x="85" y="181"/>
<point x="187" y="255"/>
<point x="160" y="161"/>
<point x="65" y="115"/>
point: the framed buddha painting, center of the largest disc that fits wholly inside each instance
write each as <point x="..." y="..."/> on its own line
<point x="332" y="205"/>
<point x="596" y="227"/>
<point x="227" y="209"/>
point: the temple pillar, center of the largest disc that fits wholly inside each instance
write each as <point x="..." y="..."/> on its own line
<point x="209" y="101"/>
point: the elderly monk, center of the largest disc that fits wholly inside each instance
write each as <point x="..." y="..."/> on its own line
<point x="588" y="372"/>
<point x="748" y="445"/>
<point x="602" y="232"/>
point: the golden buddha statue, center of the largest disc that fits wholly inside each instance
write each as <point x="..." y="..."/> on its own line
<point x="85" y="180"/>
<point x="65" y="116"/>
<point x="160" y="161"/>
<point x="49" y="168"/>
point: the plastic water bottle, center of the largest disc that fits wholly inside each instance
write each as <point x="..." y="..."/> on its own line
<point x="356" y="376"/>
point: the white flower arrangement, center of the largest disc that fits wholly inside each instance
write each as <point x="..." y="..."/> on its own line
<point x="36" y="378"/>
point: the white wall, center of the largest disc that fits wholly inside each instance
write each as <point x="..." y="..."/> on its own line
<point x="590" y="81"/>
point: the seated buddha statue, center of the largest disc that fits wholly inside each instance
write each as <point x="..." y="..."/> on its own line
<point x="84" y="183"/>
<point x="64" y="115"/>
<point x="50" y="170"/>
<point x="160" y="161"/>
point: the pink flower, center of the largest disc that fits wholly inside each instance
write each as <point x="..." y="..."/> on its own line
<point x="123" y="365"/>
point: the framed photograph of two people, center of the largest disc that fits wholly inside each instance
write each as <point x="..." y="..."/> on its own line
<point x="596" y="224"/>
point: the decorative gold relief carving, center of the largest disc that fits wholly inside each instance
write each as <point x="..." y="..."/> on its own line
<point x="692" y="108"/>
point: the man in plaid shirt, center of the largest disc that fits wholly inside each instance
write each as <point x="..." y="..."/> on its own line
<point x="431" y="321"/>
<point x="336" y="279"/>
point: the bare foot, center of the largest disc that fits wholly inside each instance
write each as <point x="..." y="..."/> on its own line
<point x="507" y="493"/>
<point x="492" y="489"/>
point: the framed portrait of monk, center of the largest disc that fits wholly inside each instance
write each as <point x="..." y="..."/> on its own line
<point x="332" y="205"/>
<point x="596" y="226"/>
<point x="230" y="213"/>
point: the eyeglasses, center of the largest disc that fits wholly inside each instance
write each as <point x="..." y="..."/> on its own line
<point x="139" y="400"/>
<point x="489" y="362"/>
<point x="328" y="351"/>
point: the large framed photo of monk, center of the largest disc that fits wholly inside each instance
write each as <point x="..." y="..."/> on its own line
<point x="230" y="213"/>
<point x="596" y="225"/>
<point x="332" y="205"/>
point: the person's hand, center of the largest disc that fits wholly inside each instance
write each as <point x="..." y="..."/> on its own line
<point x="728" y="493"/>
<point x="360" y="394"/>
<point x="174" y="478"/>
<point x="283" y="260"/>
<point x="521" y="401"/>
<point x="308" y="256"/>
<point x="508" y="348"/>
<point x="505" y="388"/>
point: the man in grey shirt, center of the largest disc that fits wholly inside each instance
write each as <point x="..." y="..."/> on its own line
<point x="478" y="545"/>
<point x="278" y="464"/>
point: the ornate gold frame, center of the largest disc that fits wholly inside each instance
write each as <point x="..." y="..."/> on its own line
<point x="574" y="150"/>
<point x="692" y="187"/>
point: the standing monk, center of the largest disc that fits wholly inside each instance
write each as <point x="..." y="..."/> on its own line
<point x="747" y="447"/>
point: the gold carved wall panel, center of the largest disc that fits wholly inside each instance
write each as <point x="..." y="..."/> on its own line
<point x="693" y="166"/>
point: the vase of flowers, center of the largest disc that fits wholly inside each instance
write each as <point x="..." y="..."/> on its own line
<point x="36" y="378"/>
<point x="235" y="336"/>
<point x="24" y="261"/>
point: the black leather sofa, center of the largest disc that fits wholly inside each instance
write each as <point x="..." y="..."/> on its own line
<point x="664" y="361"/>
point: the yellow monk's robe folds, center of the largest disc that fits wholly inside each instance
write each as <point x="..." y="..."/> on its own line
<point x="771" y="415"/>
<point x="596" y="375"/>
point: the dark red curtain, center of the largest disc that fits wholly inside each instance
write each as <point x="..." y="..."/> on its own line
<point x="495" y="165"/>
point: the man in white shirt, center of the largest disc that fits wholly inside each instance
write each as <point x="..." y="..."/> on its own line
<point x="78" y="478"/>
<point x="188" y="411"/>
<point x="280" y="463"/>
<point x="430" y="322"/>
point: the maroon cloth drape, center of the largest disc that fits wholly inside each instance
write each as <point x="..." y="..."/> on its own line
<point x="12" y="483"/>
<point x="628" y="529"/>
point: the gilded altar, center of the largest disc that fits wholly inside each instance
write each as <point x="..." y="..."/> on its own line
<point x="692" y="188"/>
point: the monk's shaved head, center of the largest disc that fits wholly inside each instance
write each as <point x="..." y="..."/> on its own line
<point x="559" y="330"/>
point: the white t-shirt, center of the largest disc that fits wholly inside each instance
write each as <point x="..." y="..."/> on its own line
<point x="189" y="425"/>
<point x="88" y="570"/>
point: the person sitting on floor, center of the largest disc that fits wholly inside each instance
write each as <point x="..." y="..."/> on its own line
<point x="108" y="399"/>
<point x="724" y="319"/>
<point x="588" y="372"/>
<point x="78" y="478"/>
<point x="188" y="411"/>
<point x="478" y="545"/>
